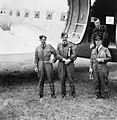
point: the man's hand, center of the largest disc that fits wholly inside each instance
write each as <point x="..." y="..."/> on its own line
<point x="64" y="60"/>
<point x="92" y="46"/>
<point x="90" y="73"/>
<point x="36" y="69"/>
<point x="90" y="70"/>
<point x="67" y="61"/>
<point x="51" y="59"/>
<point x="100" y="59"/>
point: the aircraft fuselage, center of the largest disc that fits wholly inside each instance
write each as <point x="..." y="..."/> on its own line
<point x="17" y="60"/>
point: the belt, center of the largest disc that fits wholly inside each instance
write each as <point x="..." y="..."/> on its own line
<point x="45" y="61"/>
<point x="102" y="63"/>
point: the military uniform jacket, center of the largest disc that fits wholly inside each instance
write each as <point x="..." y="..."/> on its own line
<point x="102" y="53"/>
<point x="100" y="31"/>
<point x="43" y="55"/>
<point x="68" y="52"/>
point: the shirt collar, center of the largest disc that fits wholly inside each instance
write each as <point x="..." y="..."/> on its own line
<point x="43" y="46"/>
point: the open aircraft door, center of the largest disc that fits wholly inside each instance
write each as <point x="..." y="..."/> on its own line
<point x="77" y="19"/>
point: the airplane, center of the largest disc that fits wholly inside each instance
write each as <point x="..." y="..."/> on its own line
<point x="17" y="54"/>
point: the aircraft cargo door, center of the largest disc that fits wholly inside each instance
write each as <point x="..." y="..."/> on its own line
<point x="77" y="19"/>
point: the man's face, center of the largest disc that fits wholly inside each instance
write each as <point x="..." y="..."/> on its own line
<point x="98" y="42"/>
<point x="97" y="23"/>
<point x="64" y="40"/>
<point x="43" y="40"/>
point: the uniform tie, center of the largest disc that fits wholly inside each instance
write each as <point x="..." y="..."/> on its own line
<point x="43" y="46"/>
<point x="97" y="50"/>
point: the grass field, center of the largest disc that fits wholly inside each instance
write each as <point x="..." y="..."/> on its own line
<point x="20" y="101"/>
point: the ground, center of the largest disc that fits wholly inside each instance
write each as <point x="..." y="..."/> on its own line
<point x="20" y="101"/>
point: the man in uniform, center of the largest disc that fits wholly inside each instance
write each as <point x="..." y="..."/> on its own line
<point x="66" y="55"/>
<point x="100" y="55"/>
<point x="99" y="30"/>
<point x="44" y="65"/>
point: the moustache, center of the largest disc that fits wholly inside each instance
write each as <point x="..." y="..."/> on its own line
<point x="64" y="43"/>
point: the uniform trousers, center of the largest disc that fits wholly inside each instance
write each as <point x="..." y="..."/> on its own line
<point x="45" y="70"/>
<point x="100" y="73"/>
<point x="66" y="71"/>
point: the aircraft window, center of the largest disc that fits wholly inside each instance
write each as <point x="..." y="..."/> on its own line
<point x="63" y="16"/>
<point x="37" y="14"/>
<point x="17" y="13"/>
<point x="10" y="13"/>
<point x="2" y="11"/>
<point x="110" y="20"/>
<point x="49" y="15"/>
<point x="26" y="14"/>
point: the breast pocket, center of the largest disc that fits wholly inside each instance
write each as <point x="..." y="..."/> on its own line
<point x="40" y="54"/>
<point x="66" y="51"/>
<point x="94" y="55"/>
<point x="102" y="54"/>
<point x="47" y="53"/>
<point x="62" y="52"/>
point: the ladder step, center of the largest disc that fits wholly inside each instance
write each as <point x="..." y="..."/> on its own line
<point x="76" y="33"/>
<point x="81" y="24"/>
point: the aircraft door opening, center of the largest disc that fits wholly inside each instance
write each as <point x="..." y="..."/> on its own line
<point x="77" y="19"/>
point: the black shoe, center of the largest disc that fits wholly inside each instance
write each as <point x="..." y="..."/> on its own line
<point x="53" y="96"/>
<point x="63" y="96"/>
<point x="98" y="96"/>
<point x="40" y="96"/>
<point x="74" y="95"/>
<point x="105" y="96"/>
